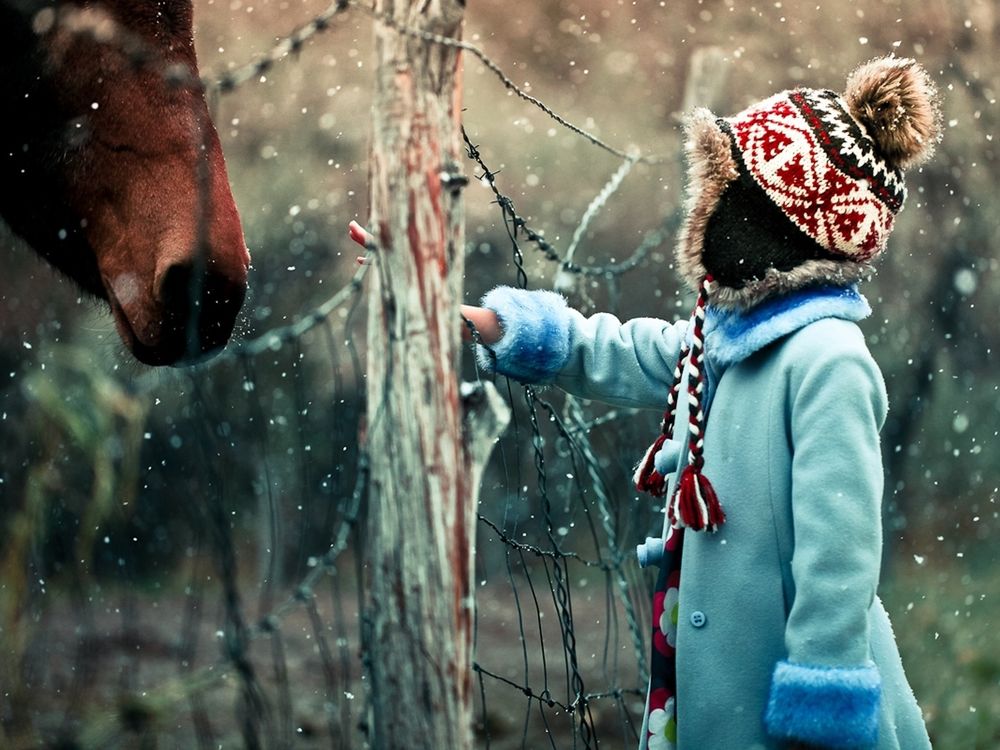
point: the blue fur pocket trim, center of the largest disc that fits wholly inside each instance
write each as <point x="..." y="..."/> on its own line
<point x="535" y="342"/>
<point x="835" y="707"/>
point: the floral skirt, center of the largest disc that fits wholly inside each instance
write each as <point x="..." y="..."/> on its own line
<point x="662" y="699"/>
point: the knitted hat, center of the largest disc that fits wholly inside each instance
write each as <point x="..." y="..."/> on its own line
<point x="804" y="186"/>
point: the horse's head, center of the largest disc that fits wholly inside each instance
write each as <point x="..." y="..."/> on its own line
<point x="114" y="170"/>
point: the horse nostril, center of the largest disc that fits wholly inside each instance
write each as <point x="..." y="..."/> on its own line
<point x="198" y="310"/>
<point x="175" y="288"/>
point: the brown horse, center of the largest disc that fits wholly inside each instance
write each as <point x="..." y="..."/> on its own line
<point x="112" y="171"/>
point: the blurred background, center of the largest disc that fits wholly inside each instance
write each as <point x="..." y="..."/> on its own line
<point x="158" y="524"/>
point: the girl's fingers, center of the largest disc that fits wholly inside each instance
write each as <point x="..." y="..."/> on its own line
<point x="358" y="233"/>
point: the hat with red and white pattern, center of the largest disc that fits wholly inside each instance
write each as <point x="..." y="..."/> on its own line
<point x="804" y="186"/>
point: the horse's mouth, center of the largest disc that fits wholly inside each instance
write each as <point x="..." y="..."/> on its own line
<point x="178" y="334"/>
<point x="151" y="353"/>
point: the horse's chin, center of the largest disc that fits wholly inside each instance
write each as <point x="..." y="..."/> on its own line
<point x="147" y="352"/>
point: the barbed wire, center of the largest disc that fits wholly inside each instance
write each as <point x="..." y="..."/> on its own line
<point x="239" y="634"/>
<point x="276" y="338"/>
<point x="538" y="551"/>
<point x="598" y="203"/>
<point x="581" y="443"/>
<point x="545" y="698"/>
<point x="103" y="29"/>
<point x="509" y="84"/>
<point x="287" y="45"/>
<point x="515" y="223"/>
<point x="612" y="415"/>
<point x="293" y="42"/>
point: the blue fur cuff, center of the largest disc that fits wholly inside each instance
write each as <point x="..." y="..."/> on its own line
<point x="535" y="342"/>
<point x="835" y="707"/>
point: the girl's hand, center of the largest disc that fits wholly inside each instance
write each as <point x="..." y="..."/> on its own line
<point x="359" y="235"/>
<point x="485" y="321"/>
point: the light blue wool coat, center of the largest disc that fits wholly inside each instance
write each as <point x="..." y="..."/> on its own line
<point x="788" y="639"/>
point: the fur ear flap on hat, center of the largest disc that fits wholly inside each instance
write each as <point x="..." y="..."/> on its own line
<point x="712" y="167"/>
<point x="896" y="101"/>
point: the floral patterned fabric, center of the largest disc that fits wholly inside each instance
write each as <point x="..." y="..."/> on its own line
<point x="662" y="709"/>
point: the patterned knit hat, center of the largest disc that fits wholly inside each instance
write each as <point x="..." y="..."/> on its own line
<point x="803" y="186"/>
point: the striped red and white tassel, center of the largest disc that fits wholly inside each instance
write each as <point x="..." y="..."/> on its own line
<point x="646" y="477"/>
<point x="694" y="504"/>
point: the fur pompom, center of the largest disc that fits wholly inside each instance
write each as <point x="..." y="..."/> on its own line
<point x="896" y="101"/>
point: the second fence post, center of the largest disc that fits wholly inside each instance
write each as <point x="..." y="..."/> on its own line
<point x="421" y="514"/>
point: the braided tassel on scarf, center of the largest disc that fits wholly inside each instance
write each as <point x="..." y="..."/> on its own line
<point x="694" y="503"/>
<point x="646" y="477"/>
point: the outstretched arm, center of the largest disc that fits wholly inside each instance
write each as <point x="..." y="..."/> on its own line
<point x="485" y="321"/>
<point x="533" y="337"/>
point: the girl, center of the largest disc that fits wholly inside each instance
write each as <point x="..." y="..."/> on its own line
<point x="767" y="630"/>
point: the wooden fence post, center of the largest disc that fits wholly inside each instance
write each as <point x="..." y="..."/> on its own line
<point x="424" y="484"/>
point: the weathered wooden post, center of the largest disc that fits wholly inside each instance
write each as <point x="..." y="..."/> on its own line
<point x="424" y="462"/>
